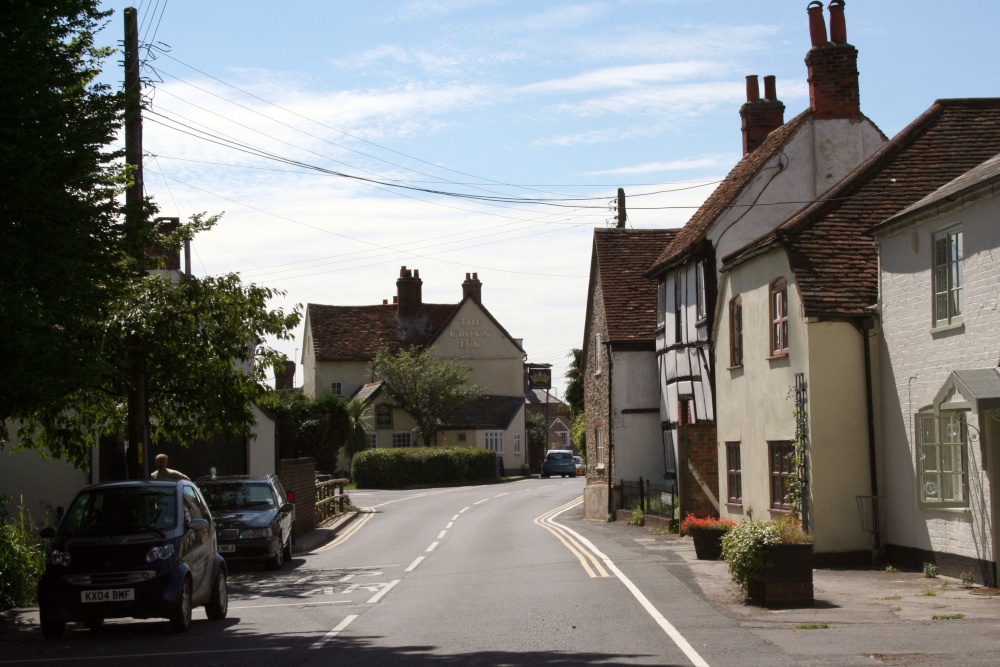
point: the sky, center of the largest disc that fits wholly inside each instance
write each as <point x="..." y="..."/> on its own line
<point x="343" y="140"/>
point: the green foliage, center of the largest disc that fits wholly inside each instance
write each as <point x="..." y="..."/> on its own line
<point x="812" y="626"/>
<point x="415" y="466"/>
<point x="745" y="546"/>
<point x="578" y="434"/>
<point x="61" y="262"/>
<point x="638" y="518"/>
<point x="694" y="524"/>
<point x="574" y="384"/>
<point x="968" y="581"/>
<point x="202" y="367"/>
<point x="316" y="427"/>
<point x="538" y="435"/>
<point x="930" y="571"/>
<point x="356" y="439"/>
<point x="429" y="388"/>
<point x="22" y="558"/>
<point x="947" y="617"/>
<point x="891" y="568"/>
<point x="798" y="461"/>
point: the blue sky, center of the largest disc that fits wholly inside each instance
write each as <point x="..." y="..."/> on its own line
<point x="522" y="100"/>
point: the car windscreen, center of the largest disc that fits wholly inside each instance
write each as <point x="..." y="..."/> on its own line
<point x="238" y="496"/>
<point x="559" y="456"/>
<point x="121" y="511"/>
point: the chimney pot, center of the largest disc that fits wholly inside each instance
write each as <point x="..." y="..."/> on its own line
<point x="409" y="292"/>
<point x="385" y="302"/>
<point x="395" y="300"/>
<point x="402" y="272"/>
<point x="753" y="88"/>
<point x="770" y="90"/>
<point x="838" y="26"/>
<point x="817" y="26"/>
<point x="472" y="287"/>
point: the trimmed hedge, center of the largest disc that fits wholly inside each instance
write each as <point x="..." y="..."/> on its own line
<point x="414" y="466"/>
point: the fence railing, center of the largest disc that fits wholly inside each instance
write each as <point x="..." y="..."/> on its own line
<point x="330" y="499"/>
<point x="652" y="498"/>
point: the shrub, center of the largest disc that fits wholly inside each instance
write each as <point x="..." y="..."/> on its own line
<point x="415" y="466"/>
<point x="744" y="547"/>
<point x="638" y="518"/>
<point x="694" y="524"/>
<point x="930" y="570"/>
<point x="22" y="558"/>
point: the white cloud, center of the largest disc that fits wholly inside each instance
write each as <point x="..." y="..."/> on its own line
<point x="704" y="162"/>
<point x="631" y="76"/>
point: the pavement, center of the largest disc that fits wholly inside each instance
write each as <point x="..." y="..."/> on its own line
<point x="323" y="534"/>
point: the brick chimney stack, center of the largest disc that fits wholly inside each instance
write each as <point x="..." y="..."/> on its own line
<point x="760" y="116"/>
<point x="832" y="65"/>
<point x="284" y="376"/>
<point x="472" y="287"/>
<point x="409" y="291"/>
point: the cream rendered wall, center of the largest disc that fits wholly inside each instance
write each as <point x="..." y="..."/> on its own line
<point x="308" y="361"/>
<point x="512" y="462"/>
<point x="915" y="363"/>
<point x="473" y="339"/>
<point x="261" y="456"/>
<point x="753" y="407"/>
<point x="352" y="375"/>
<point x="838" y="435"/>
<point x="818" y="156"/>
<point x="637" y="437"/>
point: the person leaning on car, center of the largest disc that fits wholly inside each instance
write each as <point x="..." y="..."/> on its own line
<point x="162" y="472"/>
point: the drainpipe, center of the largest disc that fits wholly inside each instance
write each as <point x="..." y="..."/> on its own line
<point x="866" y="325"/>
<point x="611" y="429"/>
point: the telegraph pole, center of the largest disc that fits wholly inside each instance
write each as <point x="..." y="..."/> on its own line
<point x="137" y="457"/>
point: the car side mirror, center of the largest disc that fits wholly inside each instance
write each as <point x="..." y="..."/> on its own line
<point x="47" y="533"/>
<point x="198" y="524"/>
<point x="287" y="507"/>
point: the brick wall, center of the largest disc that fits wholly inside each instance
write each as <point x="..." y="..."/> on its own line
<point x="833" y="81"/>
<point x="298" y="476"/>
<point x="698" y="450"/>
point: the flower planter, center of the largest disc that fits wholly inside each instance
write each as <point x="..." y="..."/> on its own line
<point x="787" y="581"/>
<point x="707" y="544"/>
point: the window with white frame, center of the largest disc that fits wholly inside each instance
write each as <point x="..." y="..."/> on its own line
<point x="699" y="286"/>
<point x="517" y="443"/>
<point x="337" y="388"/>
<point x="563" y="438"/>
<point x="494" y="441"/>
<point x="372" y="439"/>
<point x="402" y="439"/>
<point x="943" y="455"/>
<point x="661" y="303"/>
<point x="948" y="277"/>
<point x="779" y="317"/>
<point x="599" y="442"/>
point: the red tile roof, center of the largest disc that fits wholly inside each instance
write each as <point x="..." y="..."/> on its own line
<point x="830" y="243"/>
<point x="355" y="333"/>
<point x="622" y="257"/>
<point x="692" y="233"/>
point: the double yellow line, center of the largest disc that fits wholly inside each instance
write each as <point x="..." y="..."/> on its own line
<point x="352" y="528"/>
<point x="591" y="564"/>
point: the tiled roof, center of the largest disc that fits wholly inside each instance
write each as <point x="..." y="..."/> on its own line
<point x="488" y="412"/>
<point x="368" y="391"/>
<point x="728" y="192"/>
<point x="831" y="245"/>
<point x="622" y="257"/>
<point x="355" y="333"/>
<point x="537" y="397"/>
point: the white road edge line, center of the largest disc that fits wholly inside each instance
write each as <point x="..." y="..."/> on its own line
<point x="336" y="631"/>
<point x="450" y="524"/>
<point x="432" y="547"/>
<point x="378" y="596"/>
<point x="414" y="564"/>
<point x="442" y="534"/>
<point x="479" y="502"/>
<point x="666" y="625"/>
<point x="454" y="518"/>
<point x="463" y="510"/>
<point x="290" y="604"/>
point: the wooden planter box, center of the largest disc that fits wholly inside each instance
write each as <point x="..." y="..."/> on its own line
<point x="707" y="544"/>
<point x="788" y="579"/>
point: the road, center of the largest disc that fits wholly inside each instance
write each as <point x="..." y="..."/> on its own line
<point x="506" y="574"/>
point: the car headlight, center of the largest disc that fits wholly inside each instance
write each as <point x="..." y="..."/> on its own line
<point x="251" y="533"/>
<point x="160" y="553"/>
<point x="60" y="557"/>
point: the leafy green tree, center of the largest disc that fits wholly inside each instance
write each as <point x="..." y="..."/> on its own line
<point x="204" y="363"/>
<point x="356" y="438"/>
<point x="538" y="435"/>
<point x="574" y="384"/>
<point x="431" y="389"/>
<point x="578" y="434"/>
<point x="62" y="262"/>
<point x="315" y="427"/>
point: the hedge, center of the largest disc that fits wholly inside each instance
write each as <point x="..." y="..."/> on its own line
<point x="414" y="466"/>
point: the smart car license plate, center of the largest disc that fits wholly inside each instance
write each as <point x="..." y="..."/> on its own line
<point x="227" y="548"/>
<point x="114" y="595"/>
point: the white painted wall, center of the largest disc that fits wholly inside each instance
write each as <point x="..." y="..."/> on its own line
<point x="638" y="445"/>
<point x="261" y="448"/>
<point x="916" y="362"/>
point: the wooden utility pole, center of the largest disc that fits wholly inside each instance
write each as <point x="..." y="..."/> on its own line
<point x="137" y="457"/>
<point x="621" y="208"/>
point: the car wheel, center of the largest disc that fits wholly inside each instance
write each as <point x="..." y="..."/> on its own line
<point x="218" y="606"/>
<point x="52" y="628"/>
<point x="180" y="619"/>
<point x="275" y="561"/>
<point x="288" y="548"/>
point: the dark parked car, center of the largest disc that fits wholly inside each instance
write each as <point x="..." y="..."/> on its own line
<point x="559" y="462"/>
<point x="141" y="549"/>
<point x="253" y="515"/>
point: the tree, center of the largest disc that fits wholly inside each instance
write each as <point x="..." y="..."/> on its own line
<point x="61" y="258"/>
<point x="356" y="439"/>
<point x="315" y="427"/>
<point x="204" y="364"/>
<point x="574" y="385"/>
<point x="538" y="435"/>
<point x="431" y="389"/>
